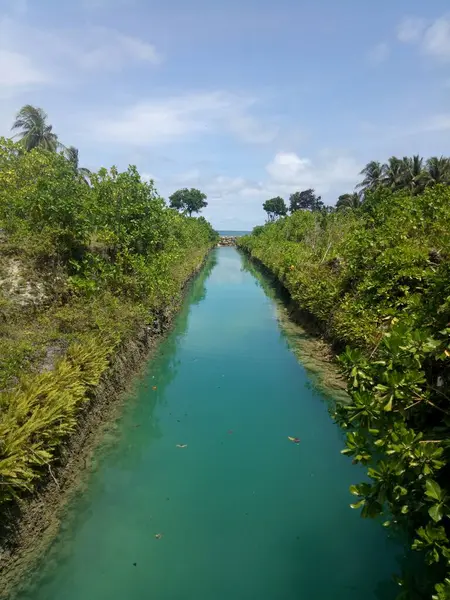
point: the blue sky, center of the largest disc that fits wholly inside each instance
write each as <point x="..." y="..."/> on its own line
<point x="245" y="99"/>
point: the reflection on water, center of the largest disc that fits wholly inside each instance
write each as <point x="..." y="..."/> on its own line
<point x="240" y="512"/>
<point x="230" y="271"/>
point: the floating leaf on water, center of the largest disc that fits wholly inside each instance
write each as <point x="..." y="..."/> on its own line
<point x="154" y="387"/>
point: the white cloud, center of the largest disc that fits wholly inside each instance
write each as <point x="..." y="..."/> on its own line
<point x="287" y="167"/>
<point x="157" y="121"/>
<point x="235" y="202"/>
<point x="436" y="40"/>
<point x="215" y="186"/>
<point x="433" y="38"/>
<point x="30" y="56"/>
<point x="221" y="186"/>
<point x="18" y="70"/>
<point x="108" y="49"/>
<point x="287" y="172"/>
<point x="379" y="53"/>
<point x="411" y="29"/>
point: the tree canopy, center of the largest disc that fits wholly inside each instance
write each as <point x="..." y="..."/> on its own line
<point x="188" y="200"/>
<point x="34" y="132"/>
<point x="407" y="173"/>
<point x="305" y="200"/>
<point x="348" y="201"/>
<point x="72" y="156"/>
<point x="275" y="207"/>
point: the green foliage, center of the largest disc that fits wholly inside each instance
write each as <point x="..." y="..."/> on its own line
<point x="407" y="173"/>
<point x="41" y="412"/>
<point x="306" y="200"/>
<point x="275" y="207"/>
<point x="188" y="201"/>
<point x="40" y="195"/>
<point x="351" y="201"/>
<point x="72" y="156"/>
<point x="377" y="280"/>
<point x="86" y="267"/>
<point x="34" y="130"/>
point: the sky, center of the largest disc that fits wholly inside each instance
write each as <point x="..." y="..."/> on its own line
<point x="243" y="99"/>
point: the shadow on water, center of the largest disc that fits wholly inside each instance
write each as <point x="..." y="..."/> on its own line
<point x="302" y="336"/>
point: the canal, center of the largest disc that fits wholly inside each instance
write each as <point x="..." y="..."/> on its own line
<point x="201" y="495"/>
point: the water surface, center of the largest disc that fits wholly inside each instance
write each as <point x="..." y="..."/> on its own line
<point x="244" y="513"/>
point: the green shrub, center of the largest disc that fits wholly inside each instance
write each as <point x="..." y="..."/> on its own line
<point x="109" y="256"/>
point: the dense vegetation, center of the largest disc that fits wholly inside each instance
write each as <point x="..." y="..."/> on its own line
<point x="413" y="174"/>
<point x="87" y="260"/>
<point x="376" y="279"/>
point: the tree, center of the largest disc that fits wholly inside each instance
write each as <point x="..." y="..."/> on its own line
<point x="394" y="173"/>
<point x="188" y="201"/>
<point x="373" y="176"/>
<point x="35" y="132"/>
<point x="275" y="207"/>
<point x="351" y="201"/>
<point x="72" y="156"/>
<point x="413" y="174"/>
<point x="437" y="170"/>
<point x="306" y="200"/>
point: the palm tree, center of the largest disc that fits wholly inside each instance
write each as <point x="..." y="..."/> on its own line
<point x="72" y="156"/>
<point x="394" y="173"/>
<point x="351" y="201"/>
<point x="35" y="132"/>
<point x="373" y="176"/>
<point x="437" y="170"/>
<point x="413" y="174"/>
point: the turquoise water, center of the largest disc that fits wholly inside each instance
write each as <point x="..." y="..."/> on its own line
<point x="244" y="513"/>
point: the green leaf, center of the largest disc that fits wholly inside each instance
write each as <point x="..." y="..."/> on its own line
<point x="371" y="509"/>
<point x="388" y="406"/>
<point x="436" y="512"/>
<point x="358" y="504"/>
<point x="433" y="489"/>
<point x="433" y="556"/>
<point x="354" y="490"/>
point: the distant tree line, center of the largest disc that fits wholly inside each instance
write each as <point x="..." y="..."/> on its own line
<point x="305" y="200"/>
<point x="413" y="174"/>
